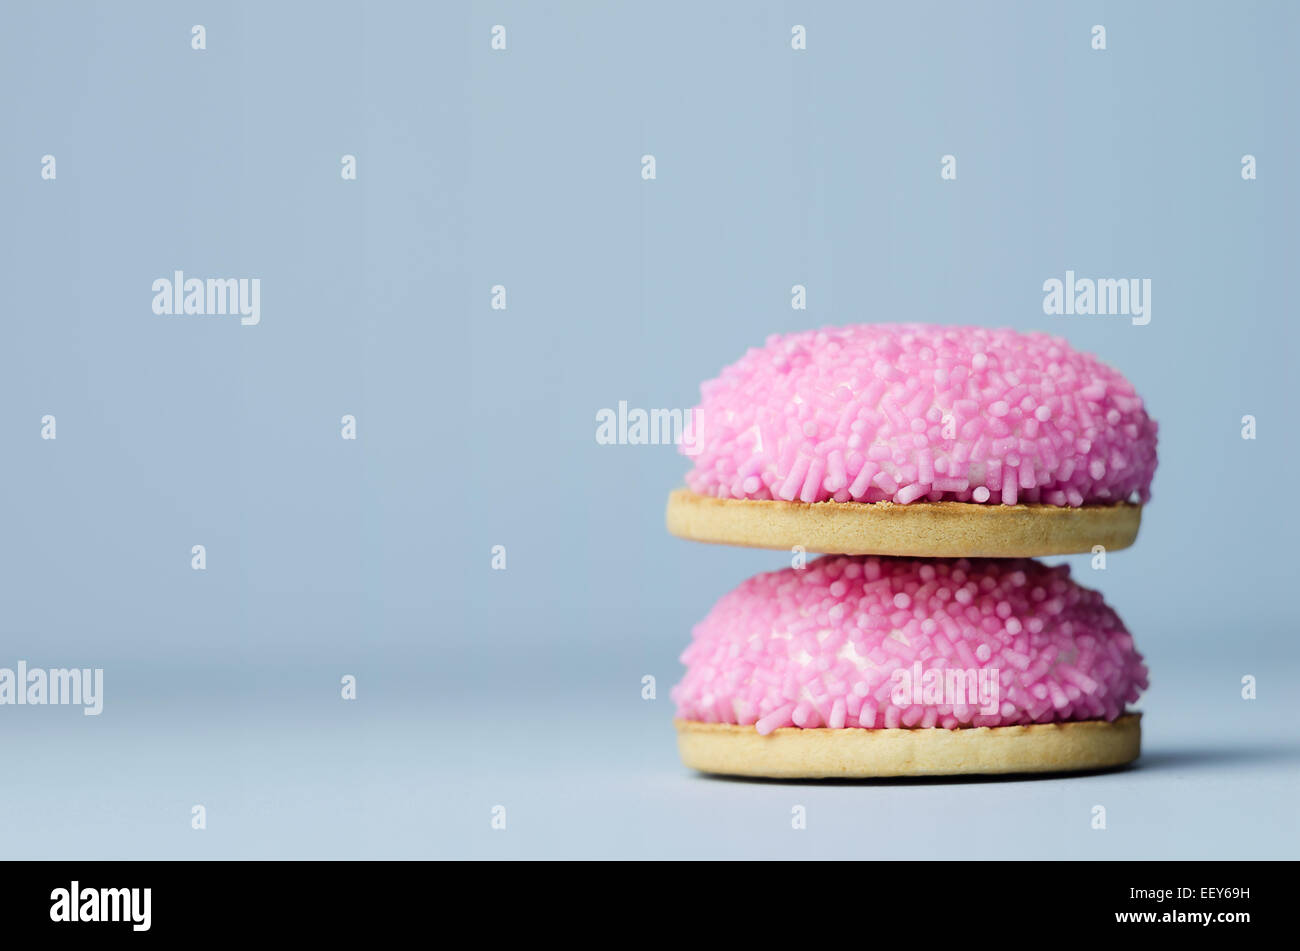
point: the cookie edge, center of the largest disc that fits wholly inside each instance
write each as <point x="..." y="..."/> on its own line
<point x="920" y="529"/>
<point x="852" y="753"/>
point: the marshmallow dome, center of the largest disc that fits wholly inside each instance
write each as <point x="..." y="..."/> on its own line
<point x="827" y="645"/>
<point x="908" y="412"/>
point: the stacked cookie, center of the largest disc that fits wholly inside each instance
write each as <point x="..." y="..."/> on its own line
<point x="929" y="465"/>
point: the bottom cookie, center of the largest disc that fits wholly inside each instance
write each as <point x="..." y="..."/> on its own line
<point x="792" y="753"/>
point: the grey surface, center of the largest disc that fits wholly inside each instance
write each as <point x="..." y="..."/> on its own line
<point x="592" y="773"/>
<point x="477" y="427"/>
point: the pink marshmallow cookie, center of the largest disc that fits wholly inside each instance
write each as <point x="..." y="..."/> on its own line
<point x="908" y="412"/>
<point x="899" y="642"/>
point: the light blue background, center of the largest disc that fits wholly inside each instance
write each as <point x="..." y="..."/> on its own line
<point x="476" y="426"/>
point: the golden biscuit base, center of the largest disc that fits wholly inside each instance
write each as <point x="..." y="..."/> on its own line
<point x="791" y="753"/>
<point x="920" y="530"/>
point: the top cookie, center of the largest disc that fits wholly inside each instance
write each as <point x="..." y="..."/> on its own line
<point x="1001" y="425"/>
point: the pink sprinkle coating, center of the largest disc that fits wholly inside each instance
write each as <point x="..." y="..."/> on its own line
<point x="828" y="645"/>
<point x="915" y="412"/>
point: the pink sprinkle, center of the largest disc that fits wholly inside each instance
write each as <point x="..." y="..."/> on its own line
<point x="1066" y="428"/>
<point x="858" y="489"/>
<point x="794" y="481"/>
<point x="1009" y="489"/>
<point x="772" y="721"/>
<point x="837" y="478"/>
<point x="925" y="466"/>
<point x="837" y="717"/>
<point x="790" y="648"/>
<point x="812" y="486"/>
<point x="910" y="493"/>
<point x="805" y="716"/>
